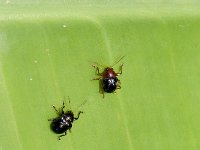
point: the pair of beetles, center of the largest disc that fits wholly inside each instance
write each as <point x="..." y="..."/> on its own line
<point x="109" y="83"/>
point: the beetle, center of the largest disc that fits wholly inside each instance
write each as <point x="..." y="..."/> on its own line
<point x="108" y="79"/>
<point x="63" y="122"/>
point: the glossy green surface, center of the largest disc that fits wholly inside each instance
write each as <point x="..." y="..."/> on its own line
<point x="47" y="53"/>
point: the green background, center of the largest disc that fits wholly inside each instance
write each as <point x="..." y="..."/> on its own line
<point x="47" y="50"/>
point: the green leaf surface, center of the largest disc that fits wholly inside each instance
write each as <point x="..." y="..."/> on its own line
<point x="47" y="50"/>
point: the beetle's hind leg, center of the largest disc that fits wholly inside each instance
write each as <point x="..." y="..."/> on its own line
<point x="59" y="137"/>
<point x="103" y="94"/>
<point x="101" y="90"/>
<point x="118" y="87"/>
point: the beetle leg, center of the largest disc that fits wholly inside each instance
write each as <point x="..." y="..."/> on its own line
<point x="70" y="130"/>
<point x="103" y="94"/>
<point x="118" y="87"/>
<point x="96" y="78"/>
<point x="101" y="88"/>
<point x="78" y="115"/>
<point x="120" y="70"/>
<point x="101" y="91"/>
<point x="119" y="82"/>
<point x="97" y="70"/>
<point x="52" y="119"/>
<point x="61" y="135"/>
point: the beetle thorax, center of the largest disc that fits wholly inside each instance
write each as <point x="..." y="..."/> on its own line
<point x="109" y="73"/>
<point x="68" y="117"/>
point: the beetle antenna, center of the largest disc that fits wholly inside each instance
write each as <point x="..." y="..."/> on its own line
<point x="69" y="103"/>
<point x="81" y="105"/>
<point x="117" y="61"/>
<point x="64" y="101"/>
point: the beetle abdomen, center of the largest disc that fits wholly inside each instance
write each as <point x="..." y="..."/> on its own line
<point x="58" y="126"/>
<point x="109" y="84"/>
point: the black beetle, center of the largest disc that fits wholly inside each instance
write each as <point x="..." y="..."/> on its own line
<point x="64" y="121"/>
